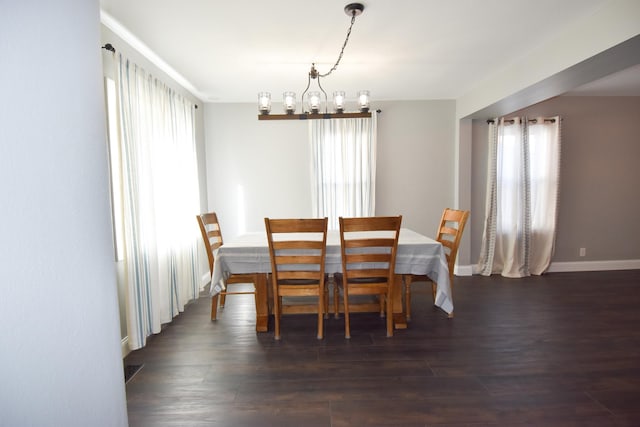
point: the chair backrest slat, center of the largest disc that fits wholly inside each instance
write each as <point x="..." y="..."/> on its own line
<point x="449" y="233"/>
<point x="365" y="256"/>
<point x="297" y="247"/>
<point x="211" y="234"/>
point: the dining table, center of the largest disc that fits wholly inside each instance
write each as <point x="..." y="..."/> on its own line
<point x="416" y="255"/>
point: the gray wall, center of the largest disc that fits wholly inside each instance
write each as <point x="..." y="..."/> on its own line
<point x="60" y="362"/>
<point x="599" y="202"/>
<point x="602" y="43"/>
<point x="262" y="168"/>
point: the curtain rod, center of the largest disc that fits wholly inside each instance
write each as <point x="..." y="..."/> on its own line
<point x="110" y="48"/>
<point x="512" y="121"/>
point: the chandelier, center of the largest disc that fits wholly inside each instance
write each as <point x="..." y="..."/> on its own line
<point x="312" y="105"/>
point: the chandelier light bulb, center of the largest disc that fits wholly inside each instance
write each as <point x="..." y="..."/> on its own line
<point x="264" y="102"/>
<point x="289" y="101"/>
<point x="363" y="101"/>
<point x="313" y="101"/>
<point x="338" y="101"/>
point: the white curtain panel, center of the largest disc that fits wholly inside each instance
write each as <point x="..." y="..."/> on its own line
<point x="343" y="153"/>
<point x="522" y="194"/>
<point x="160" y="201"/>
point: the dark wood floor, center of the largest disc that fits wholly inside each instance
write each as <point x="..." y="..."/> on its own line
<point x="558" y="350"/>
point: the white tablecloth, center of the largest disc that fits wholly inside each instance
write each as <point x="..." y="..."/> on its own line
<point x="417" y="254"/>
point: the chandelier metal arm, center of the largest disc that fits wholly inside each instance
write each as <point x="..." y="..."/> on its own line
<point x="313" y="74"/>
<point x="308" y="84"/>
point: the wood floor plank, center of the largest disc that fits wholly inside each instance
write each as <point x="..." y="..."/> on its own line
<point x="561" y="349"/>
<point x="503" y="410"/>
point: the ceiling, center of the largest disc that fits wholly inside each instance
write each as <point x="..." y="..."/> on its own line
<point x="398" y="49"/>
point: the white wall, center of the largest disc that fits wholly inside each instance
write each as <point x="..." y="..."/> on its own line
<point x="255" y="169"/>
<point x="60" y="362"/>
<point x="415" y="173"/>
<point x="262" y="168"/>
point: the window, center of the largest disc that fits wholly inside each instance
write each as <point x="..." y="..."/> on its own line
<point x="344" y="168"/>
<point x="522" y="193"/>
<point x="155" y="197"/>
<point x="114" y="167"/>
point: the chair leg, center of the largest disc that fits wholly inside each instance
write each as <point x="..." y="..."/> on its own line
<point x="322" y="303"/>
<point x="390" y="313"/>
<point x="276" y="309"/>
<point x="223" y="298"/>
<point x="276" y="317"/>
<point x="345" y="301"/>
<point x="381" y="299"/>
<point x="214" y="307"/>
<point x="269" y="286"/>
<point x="325" y="298"/>
<point x="407" y="296"/>
<point x="336" y="300"/>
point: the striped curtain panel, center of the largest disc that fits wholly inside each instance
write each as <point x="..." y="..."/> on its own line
<point x="343" y="153"/>
<point x="522" y="196"/>
<point x="160" y="200"/>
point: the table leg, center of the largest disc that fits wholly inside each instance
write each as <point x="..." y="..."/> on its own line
<point x="399" y="318"/>
<point x="262" y="304"/>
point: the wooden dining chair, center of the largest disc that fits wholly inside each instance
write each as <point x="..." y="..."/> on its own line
<point x="297" y="249"/>
<point x="449" y="235"/>
<point x="368" y="248"/>
<point x="212" y="237"/>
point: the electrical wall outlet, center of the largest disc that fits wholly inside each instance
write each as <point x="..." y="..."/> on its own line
<point x="583" y="251"/>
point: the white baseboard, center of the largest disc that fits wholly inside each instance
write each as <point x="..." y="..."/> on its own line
<point x="206" y="278"/>
<point x="463" y="270"/>
<point x="563" y="267"/>
<point x="124" y="347"/>
<point x="625" y="264"/>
